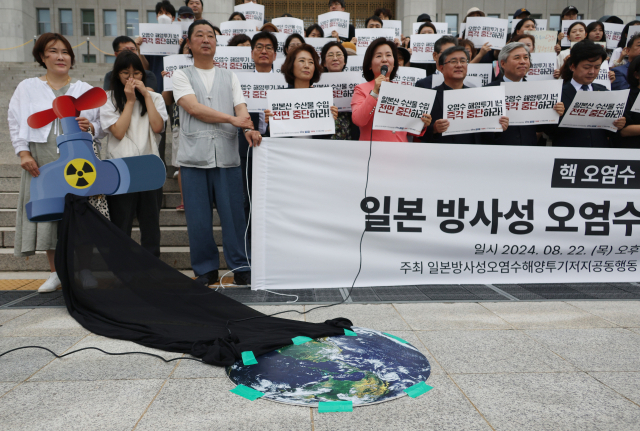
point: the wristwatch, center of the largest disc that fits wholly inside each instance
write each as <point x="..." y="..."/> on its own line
<point x="374" y="94"/>
<point x="246" y="130"/>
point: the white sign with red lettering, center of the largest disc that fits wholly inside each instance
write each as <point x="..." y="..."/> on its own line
<point x="255" y="86"/>
<point x="301" y="112"/>
<point x="400" y="108"/>
<point x="171" y="63"/>
<point x="613" y="33"/>
<point x="542" y="65"/>
<point x="409" y="75"/>
<point x="343" y="85"/>
<point x="235" y="58"/>
<point x="394" y="24"/>
<point x="473" y="110"/>
<point x="481" y="30"/>
<point x="231" y="28"/>
<point x="531" y="103"/>
<point x="595" y="110"/>
<point x="603" y="75"/>
<point x="422" y="48"/>
<point x="160" y="39"/>
<point x="251" y="11"/>
<point x="289" y="25"/>
<point x="338" y="21"/>
<point x="366" y="36"/>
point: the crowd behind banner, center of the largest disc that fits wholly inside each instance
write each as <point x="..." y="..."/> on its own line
<point x="221" y="87"/>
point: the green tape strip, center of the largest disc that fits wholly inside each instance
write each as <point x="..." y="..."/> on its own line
<point x="248" y="358"/>
<point x="301" y="340"/>
<point x="349" y="333"/>
<point x="418" y="389"/>
<point x="247" y="392"/>
<point x="335" y="406"/>
<point x="396" y="338"/>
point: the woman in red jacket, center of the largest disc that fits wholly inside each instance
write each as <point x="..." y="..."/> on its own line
<point x="380" y="53"/>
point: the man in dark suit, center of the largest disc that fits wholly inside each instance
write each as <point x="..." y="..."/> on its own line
<point x="515" y="63"/>
<point x="441" y="45"/>
<point x="631" y="51"/>
<point x="584" y="66"/>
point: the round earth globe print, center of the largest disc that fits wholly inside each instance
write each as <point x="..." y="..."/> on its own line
<point x="371" y="368"/>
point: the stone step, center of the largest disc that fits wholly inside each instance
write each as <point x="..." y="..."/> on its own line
<point x="11" y="170"/>
<point x="8" y="200"/>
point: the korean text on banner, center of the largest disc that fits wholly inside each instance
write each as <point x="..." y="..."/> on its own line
<point x="251" y="11"/>
<point x="442" y="28"/>
<point x="367" y="35"/>
<point x="595" y="110"/>
<point x="235" y="58"/>
<point x="422" y="47"/>
<point x="394" y="24"/>
<point x="565" y="29"/>
<point x="603" y="75"/>
<point x="289" y="25"/>
<point x="541" y="25"/>
<point x="542" y="66"/>
<point x="545" y="40"/>
<point x="409" y="75"/>
<point x="565" y="215"/>
<point x="160" y="39"/>
<point x="531" y="103"/>
<point x="338" y="21"/>
<point x="354" y="63"/>
<point x="255" y="86"/>
<point x="400" y="108"/>
<point x="343" y="85"/>
<point x="318" y="42"/>
<point x="481" y="30"/>
<point x="480" y="70"/>
<point x="171" y="63"/>
<point x="613" y="33"/>
<point x="301" y="112"/>
<point x="231" y="28"/>
<point x="473" y="110"/>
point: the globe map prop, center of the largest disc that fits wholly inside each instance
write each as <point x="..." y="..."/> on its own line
<point x="371" y="368"/>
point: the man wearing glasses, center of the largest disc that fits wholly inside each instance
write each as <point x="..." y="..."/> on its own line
<point x="125" y="43"/>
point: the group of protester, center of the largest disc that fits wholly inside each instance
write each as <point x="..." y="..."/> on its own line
<point x="213" y="132"/>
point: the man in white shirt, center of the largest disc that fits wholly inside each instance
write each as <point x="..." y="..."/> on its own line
<point x="212" y="107"/>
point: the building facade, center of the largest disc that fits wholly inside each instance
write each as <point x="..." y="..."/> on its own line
<point x="91" y="25"/>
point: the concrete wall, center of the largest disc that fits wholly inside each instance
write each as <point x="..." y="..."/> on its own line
<point x="17" y="25"/>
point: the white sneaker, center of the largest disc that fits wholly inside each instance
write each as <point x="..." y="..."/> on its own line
<point x="175" y="174"/>
<point x="88" y="280"/>
<point x="52" y="283"/>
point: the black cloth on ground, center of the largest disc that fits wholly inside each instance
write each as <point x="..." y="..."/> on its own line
<point x="141" y="299"/>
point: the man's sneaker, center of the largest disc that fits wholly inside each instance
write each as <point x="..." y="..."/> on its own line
<point x="52" y="283"/>
<point x="242" y="278"/>
<point x="208" y="278"/>
<point x="87" y="279"/>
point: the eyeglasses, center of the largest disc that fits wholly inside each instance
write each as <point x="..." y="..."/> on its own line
<point x="455" y="61"/>
<point x="260" y="47"/>
<point x="336" y="56"/>
<point x="125" y="74"/>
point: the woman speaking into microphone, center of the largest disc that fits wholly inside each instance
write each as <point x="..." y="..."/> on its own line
<point x="380" y="65"/>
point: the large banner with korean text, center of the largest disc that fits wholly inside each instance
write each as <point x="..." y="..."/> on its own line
<point x="441" y="214"/>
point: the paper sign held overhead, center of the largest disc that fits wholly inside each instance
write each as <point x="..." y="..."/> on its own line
<point x="613" y="33"/>
<point x="481" y="30"/>
<point x="338" y="21"/>
<point x="422" y="47"/>
<point x="289" y="25"/>
<point x="366" y="36"/>
<point x="251" y="11"/>
<point x="160" y="39"/>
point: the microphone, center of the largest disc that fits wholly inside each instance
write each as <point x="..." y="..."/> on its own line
<point x="384" y="69"/>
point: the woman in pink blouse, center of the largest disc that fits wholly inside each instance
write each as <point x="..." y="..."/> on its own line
<point x="380" y="53"/>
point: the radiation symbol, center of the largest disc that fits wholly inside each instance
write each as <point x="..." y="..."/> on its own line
<point x="80" y="173"/>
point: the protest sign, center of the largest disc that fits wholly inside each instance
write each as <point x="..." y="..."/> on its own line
<point x="473" y="110"/>
<point x="282" y="38"/>
<point x="541" y="25"/>
<point x="318" y="42"/>
<point x="565" y="28"/>
<point x="160" y="39"/>
<point x="481" y="30"/>
<point x="542" y="65"/>
<point x="633" y="29"/>
<point x="301" y="112"/>
<point x="234" y="58"/>
<point x="422" y="47"/>
<point x="394" y="24"/>
<point x="255" y="86"/>
<point x="367" y="35"/>
<point x="480" y="70"/>
<point x="184" y="26"/>
<point x="338" y="21"/>
<point x="251" y="11"/>
<point x="603" y="75"/>
<point x="171" y="63"/>
<point x="442" y="28"/>
<point x="342" y="85"/>
<point x="469" y="81"/>
<point x="354" y="63"/>
<point x="223" y="40"/>
<point x="595" y="110"/>
<point x="545" y="40"/>
<point x="409" y="75"/>
<point x="400" y="108"/>
<point x="531" y="103"/>
<point x="289" y="25"/>
<point x="613" y="33"/>
<point x="277" y="63"/>
<point x="231" y="28"/>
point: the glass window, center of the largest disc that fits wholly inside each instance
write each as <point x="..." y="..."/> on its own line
<point x="554" y="22"/>
<point x="452" y="23"/>
<point x="132" y="20"/>
<point x="66" y="22"/>
<point x="110" y="23"/>
<point x="88" y="58"/>
<point x="88" y="22"/>
<point x="44" y="21"/>
<point x="152" y="18"/>
<point x="110" y="59"/>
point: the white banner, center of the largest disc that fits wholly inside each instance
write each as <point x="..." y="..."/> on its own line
<point x="409" y="75"/>
<point x="394" y="24"/>
<point x="545" y="41"/>
<point x="542" y="66"/>
<point x="595" y="110"/>
<point x="473" y="110"/>
<point x="441" y="214"/>
<point x="481" y="30"/>
<point x="318" y="42"/>
<point x="342" y="85"/>
<point x="234" y="58"/>
<point x="531" y="103"/>
<point x="160" y="39"/>
<point x="354" y="63"/>
<point x="484" y="71"/>
<point x="338" y="21"/>
<point x="565" y="29"/>
<point x="400" y="108"/>
<point x="231" y="28"/>
<point x="541" y="24"/>
<point x="603" y="75"/>
<point x="301" y="112"/>
<point x="251" y="11"/>
<point x="442" y="28"/>
<point x="613" y="33"/>
<point x="367" y="35"/>
<point x="289" y="25"/>
<point x="171" y="63"/>
<point x="422" y="48"/>
<point x="255" y="86"/>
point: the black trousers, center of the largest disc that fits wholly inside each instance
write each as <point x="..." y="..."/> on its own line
<point x="124" y="208"/>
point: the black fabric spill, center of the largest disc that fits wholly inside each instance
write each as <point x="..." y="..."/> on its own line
<point x="140" y="298"/>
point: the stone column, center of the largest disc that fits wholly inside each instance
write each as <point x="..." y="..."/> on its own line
<point x="409" y="10"/>
<point x="20" y="19"/>
<point x="217" y="11"/>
